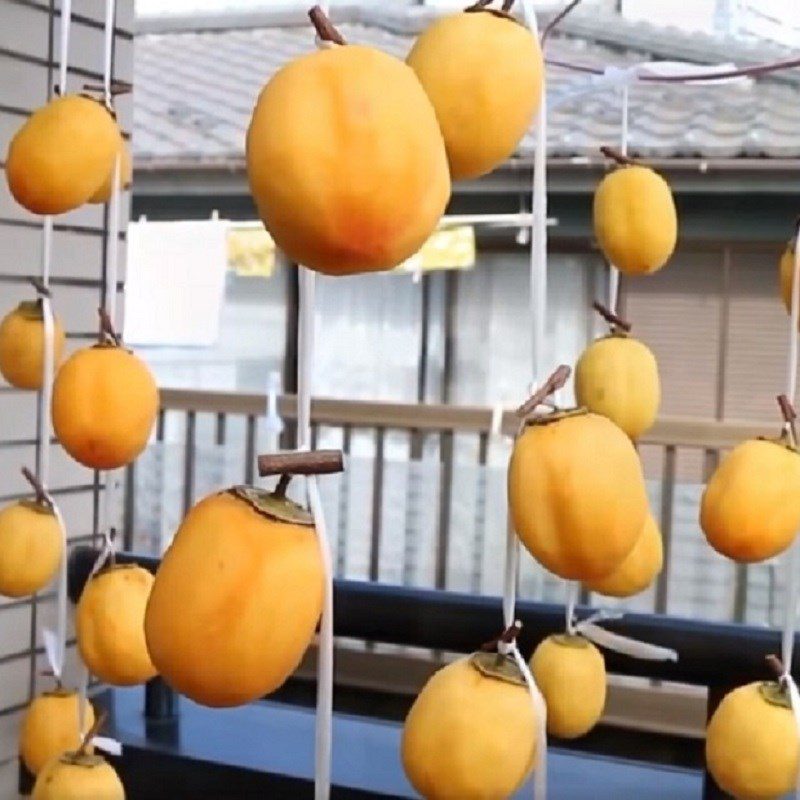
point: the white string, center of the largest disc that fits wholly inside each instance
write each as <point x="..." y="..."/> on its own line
<point x="66" y="20"/>
<point x="573" y="592"/>
<point x="305" y="366"/>
<point x="591" y="630"/>
<point x="55" y="642"/>
<point x="108" y="49"/>
<point x="793" y="556"/>
<point x="112" y="273"/>
<point x="613" y="272"/>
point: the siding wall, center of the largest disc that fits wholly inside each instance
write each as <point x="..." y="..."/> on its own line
<point x="28" y="67"/>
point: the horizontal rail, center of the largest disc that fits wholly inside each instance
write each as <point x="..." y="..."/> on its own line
<point x="710" y="654"/>
<point x="679" y="431"/>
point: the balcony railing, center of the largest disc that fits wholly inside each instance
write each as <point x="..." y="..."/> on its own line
<point x="422" y="502"/>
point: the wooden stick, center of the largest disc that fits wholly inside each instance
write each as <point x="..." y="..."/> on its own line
<point x="117" y="88"/>
<point x="312" y="462"/>
<point x="611" y="318"/>
<point x="324" y="27"/>
<point x="554" y="382"/>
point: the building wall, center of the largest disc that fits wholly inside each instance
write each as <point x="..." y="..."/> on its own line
<point x="28" y="67"/>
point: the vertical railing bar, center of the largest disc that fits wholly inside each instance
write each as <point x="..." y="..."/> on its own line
<point x="220" y="428"/>
<point x="250" y="450"/>
<point x="411" y="528"/>
<point x="130" y="507"/>
<point x="377" y="506"/>
<point x="160" y="423"/>
<point x="667" y="502"/>
<point x="344" y="505"/>
<point x="445" y="496"/>
<point x="479" y="537"/>
<point x="314" y="435"/>
<point x="188" y="461"/>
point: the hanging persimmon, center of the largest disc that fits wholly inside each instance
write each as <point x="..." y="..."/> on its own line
<point x="236" y="598"/>
<point x="471" y="733"/>
<point x="752" y="744"/>
<point x="635" y="220"/>
<point x="62" y="154"/>
<point x="105" y="402"/>
<point x="576" y="491"/>
<point x="79" y="774"/>
<point x="640" y="567"/>
<point x="22" y="345"/>
<point x="50" y="727"/>
<point x="109" y="624"/>
<point x="482" y="70"/>
<point x="617" y="376"/>
<point x="571" y="675"/>
<point x="31" y="544"/>
<point x="345" y="158"/>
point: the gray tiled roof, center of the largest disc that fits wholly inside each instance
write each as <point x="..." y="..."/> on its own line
<point x="195" y="88"/>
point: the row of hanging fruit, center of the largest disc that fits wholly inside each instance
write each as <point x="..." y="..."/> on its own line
<point x="350" y="157"/>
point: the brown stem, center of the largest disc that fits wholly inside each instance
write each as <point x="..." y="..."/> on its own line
<point x="41" y="494"/>
<point x="789" y="414"/>
<point x="555" y="381"/>
<point x="97" y="726"/>
<point x="615" y="155"/>
<point x="324" y="26"/>
<point x="313" y="462"/>
<point x="41" y="289"/>
<point x="506" y="637"/>
<point x="107" y="327"/>
<point x="776" y="665"/>
<point x="611" y="318"/>
<point x="283" y="485"/>
<point x="551" y="26"/>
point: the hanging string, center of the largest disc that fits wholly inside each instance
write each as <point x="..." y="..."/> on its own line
<point x="792" y="558"/>
<point x="613" y="272"/>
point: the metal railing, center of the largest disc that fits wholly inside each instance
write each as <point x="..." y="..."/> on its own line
<point x="457" y="444"/>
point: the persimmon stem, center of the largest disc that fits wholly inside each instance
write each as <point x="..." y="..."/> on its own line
<point x="97" y="725"/>
<point x="615" y="155"/>
<point x="554" y="382"/>
<point x="777" y="667"/>
<point x="324" y="27"/>
<point x="557" y="19"/>
<point x="611" y="318"/>
<point x="305" y="462"/>
<point x="789" y="416"/>
<point x="506" y="637"/>
<point x="41" y="289"/>
<point x="117" y="88"/>
<point x="283" y="485"/>
<point x="36" y="485"/>
<point x="107" y="327"/>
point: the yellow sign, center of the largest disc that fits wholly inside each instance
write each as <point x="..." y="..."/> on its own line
<point x="449" y="248"/>
<point x="251" y="251"/>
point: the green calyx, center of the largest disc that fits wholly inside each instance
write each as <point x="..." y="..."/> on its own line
<point x="272" y="505"/>
<point x="31" y="310"/>
<point x="497" y="666"/>
<point x="775" y="694"/>
<point x="37" y="506"/>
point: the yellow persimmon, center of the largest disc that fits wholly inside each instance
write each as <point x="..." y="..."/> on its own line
<point x="31" y="546"/>
<point x="22" y="345"/>
<point x="571" y="675"/>
<point x="482" y="70"/>
<point x="236" y="599"/>
<point x="470" y="735"/>
<point x="105" y="402"/>
<point x="61" y="155"/>
<point x="77" y="776"/>
<point x="109" y="623"/>
<point x="576" y="493"/>
<point x="346" y="161"/>
<point x="750" y="509"/>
